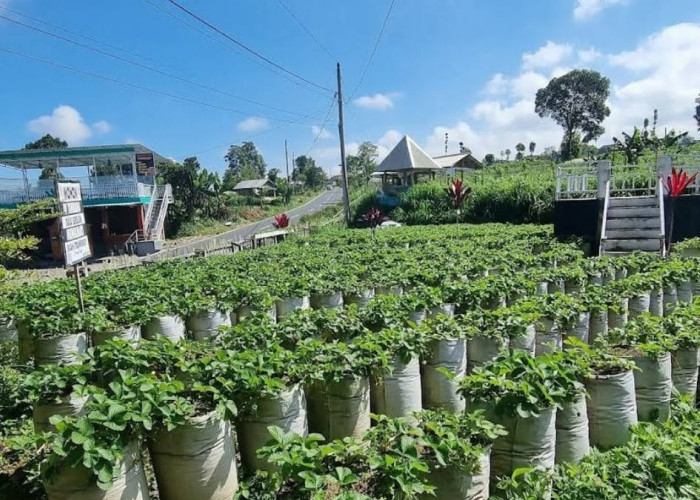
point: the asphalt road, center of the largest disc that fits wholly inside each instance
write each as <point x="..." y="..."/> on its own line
<point x="330" y="197"/>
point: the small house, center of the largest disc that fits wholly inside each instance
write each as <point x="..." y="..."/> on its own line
<point x="458" y="162"/>
<point x="256" y="187"/>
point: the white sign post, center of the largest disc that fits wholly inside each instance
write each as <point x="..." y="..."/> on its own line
<point x="76" y="245"/>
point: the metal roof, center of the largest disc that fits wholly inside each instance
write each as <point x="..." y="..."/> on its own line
<point x="75" y="157"/>
<point x="254" y="184"/>
<point x="449" y="161"/>
<point x="407" y="155"/>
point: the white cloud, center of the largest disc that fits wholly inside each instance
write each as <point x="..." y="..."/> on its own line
<point x="588" y="9"/>
<point x="253" y="124"/>
<point x="67" y="123"/>
<point x="379" y="102"/>
<point x="322" y="133"/>
<point x="131" y="140"/>
<point x="547" y="56"/>
<point x="588" y="56"/>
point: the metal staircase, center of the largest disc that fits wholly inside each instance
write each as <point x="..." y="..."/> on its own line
<point x="632" y="223"/>
<point x="157" y="210"/>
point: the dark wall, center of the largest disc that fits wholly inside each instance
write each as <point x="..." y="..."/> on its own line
<point x="577" y="218"/>
<point x="687" y="219"/>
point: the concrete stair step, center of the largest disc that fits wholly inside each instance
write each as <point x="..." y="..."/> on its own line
<point x="633" y="212"/>
<point x="634" y="201"/>
<point x="633" y="234"/>
<point x="635" y="223"/>
<point x="647" y="245"/>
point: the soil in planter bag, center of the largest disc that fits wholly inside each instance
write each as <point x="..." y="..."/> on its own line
<point x="170" y="327"/>
<point x="684" y="370"/>
<point x="197" y="460"/>
<point x="205" y="325"/>
<point x="612" y="409"/>
<point x="339" y="409"/>
<point x="398" y="394"/>
<point x="440" y="391"/>
<point x="286" y="411"/>
<point x="452" y="483"/>
<point x="653" y="384"/>
<point x="68" y="406"/>
<point x="59" y="350"/>
<point x="572" y="431"/>
<point x="531" y="442"/>
<point x="482" y="349"/>
<point x="130" y="334"/>
<point x="77" y="483"/>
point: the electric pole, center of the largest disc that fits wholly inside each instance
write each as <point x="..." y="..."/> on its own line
<point x="289" y="181"/>
<point x="343" y="166"/>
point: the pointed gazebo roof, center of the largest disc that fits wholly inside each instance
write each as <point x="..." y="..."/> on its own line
<point x="407" y="156"/>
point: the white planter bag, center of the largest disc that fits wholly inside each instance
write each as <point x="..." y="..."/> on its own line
<point x="542" y="288"/>
<point x="572" y="431"/>
<point x="526" y="342"/>
<point x="696" y="288"/>
<point x="442" y="310"/>
<point x="685" y="292"/>
<point x="389" y="290"/>
<point x="482" y="349"/>
<point x="653" y="384"/>
<point x="595" y="278"/>
<point x="247" y="311"/>
<point x="621" y="273"/>
<point x="439" y="391"/>
<point x="556" y="286"/>
<point x="639" y="304"/>
<point x="205" y="325"/>
<point x="531" y="442"/>
<point x="608" y="277"/>
<point x="290" y="304"/>
<point x="197" y="460"/>
<point x="327" y="301"/>
<point x="338" y="410"/>
<point x="67" y="407"/>
<point x="670" y="299"/>
<point x="26" y="343"/>
<point x="581" y="328"/>
<point x="612" y="409"/>
<point x="548" y="338"/>
<point x="452" y="483"/>
<point x="77" y="483"/>
<point x="495" y="303"/>
<point x="59" y="350"/>
<point x="418" y="317"/>
<point x="398" y="394"/>
<point x="684" y="370"/>
<point x="286" y="411"/>
<point x="170" y="327"/>
<point x="131" y="334"/>
<point x="8" y="331"/>
<point x="572" y="287"/>
<point x="514" y="298"/>
<point x="619" y="319"/>
<point x="598" y="325"/>
<point x="656" y="306"/>
<point x="361" y="298"/>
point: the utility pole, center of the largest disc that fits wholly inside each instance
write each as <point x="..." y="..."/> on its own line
<point x="341" y="134"/>
<point x="289" y="181"/>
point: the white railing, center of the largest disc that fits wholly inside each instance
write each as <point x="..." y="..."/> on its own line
<point x="163" y="196"/>
<point x="662" y="218"/>
<point x="576" y="181"/>
<point x="604" y="225"/>
<point x="633" y="180"/>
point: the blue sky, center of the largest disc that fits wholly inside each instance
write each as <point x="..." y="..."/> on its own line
<point x="466" y="67"/>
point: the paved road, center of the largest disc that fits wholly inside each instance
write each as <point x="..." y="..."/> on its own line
<point x="332" y="197"/>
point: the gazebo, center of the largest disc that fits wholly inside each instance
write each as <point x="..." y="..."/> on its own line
<point x="405" y="165"/>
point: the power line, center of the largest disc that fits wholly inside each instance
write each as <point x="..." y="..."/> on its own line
<point x="308" y="31"/>
<point x="143" y="66"/>
<point x="325" y="121"/>
<point x="374" y="50"/>
<point x="139" y="87"/>
<point x="245" y="47"/>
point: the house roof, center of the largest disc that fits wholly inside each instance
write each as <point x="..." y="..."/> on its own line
<point x="407" y="155"/>
<point x="254" y="184"/>
<point x="75" y="157"/>
<point x="450" y="161"/>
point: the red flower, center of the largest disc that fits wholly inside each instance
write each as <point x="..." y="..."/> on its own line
<point x="457" y="192"/>
<point x="373" y="218"/>
<point x="281" y="221"/>
<point x="677" y="182"/>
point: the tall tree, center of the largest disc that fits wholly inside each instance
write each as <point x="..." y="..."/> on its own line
<point x="576" y="101"/>
<point x="273" y="174"/>
<point x="520" y="147"/>
<point x="532" y="147"/>
<point x="306" y="171"/>
<point x="48" y="142"/>
<point x="15" y="224"/>
<point x="697" y="111"/>
<point x="507" y="154"/>
<point x="489" y="159"/>
<point x="363" y="164"/>
<point x="245" y="162"/>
